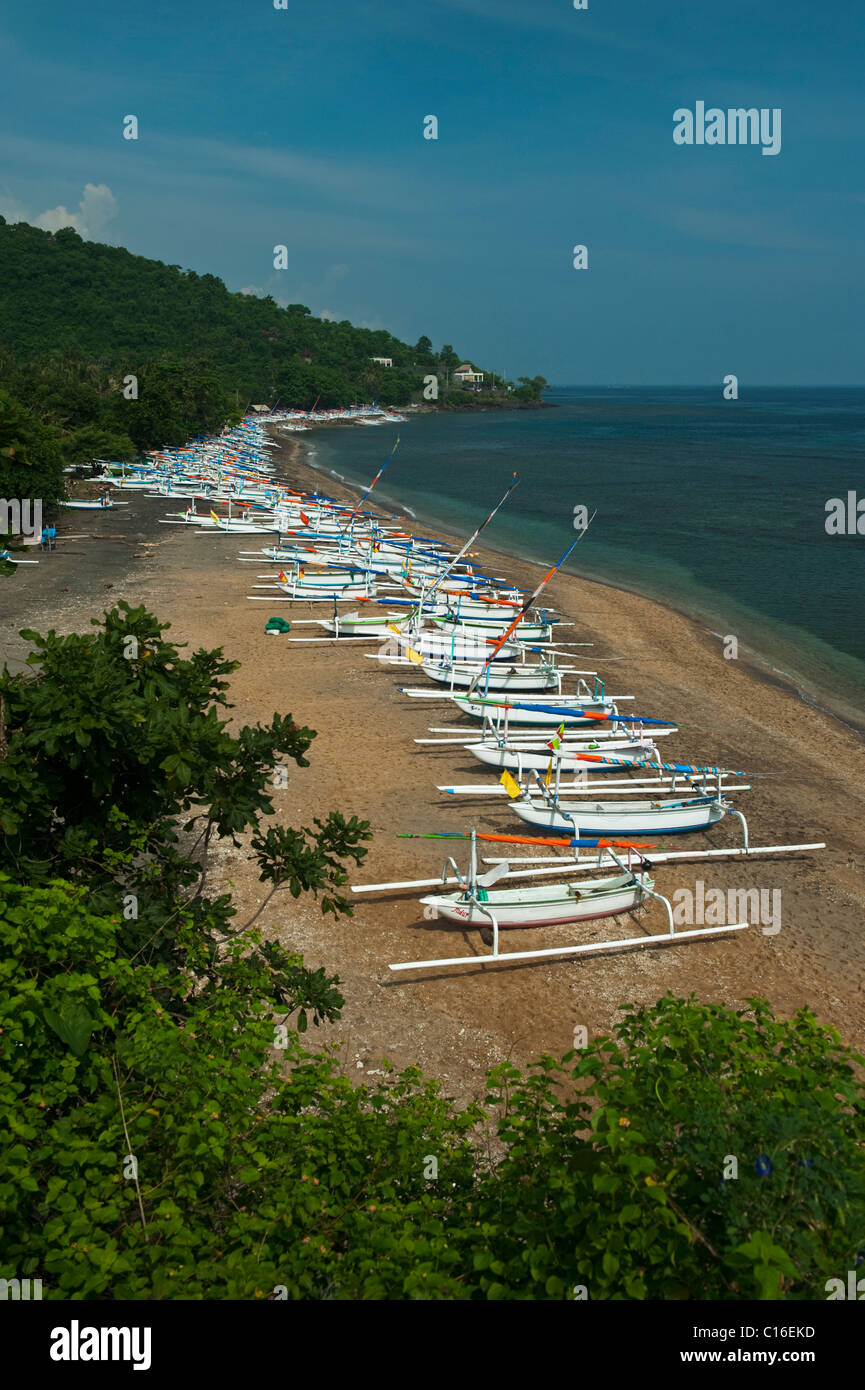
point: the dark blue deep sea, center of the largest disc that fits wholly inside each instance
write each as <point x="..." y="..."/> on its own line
<point x="715" y="507"/>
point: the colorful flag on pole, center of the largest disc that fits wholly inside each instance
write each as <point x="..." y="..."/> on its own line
<point x="556" y="741"/>
<point x="511" y="787"/>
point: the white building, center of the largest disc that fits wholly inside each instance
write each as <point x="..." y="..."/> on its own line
<point x="467" y="376"/>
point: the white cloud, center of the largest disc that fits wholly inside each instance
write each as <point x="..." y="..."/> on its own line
<point x="12" y="210"/>
<point x="95" y="210"/>
<point x="253" y="289"/>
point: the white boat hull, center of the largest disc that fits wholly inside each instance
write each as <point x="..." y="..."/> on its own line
<point x="501" y="677"/>
<point x="436" y="645"/>
<point x="610" y="819"/>
<point x="342" y="594"/>
<point x="356" y="625"/>
<point x="93" y="506"/>
<point x="482" y="709"/>
<point x="513" y="759"/>
<point x="548" y="906"/>
<point x="525" y="632"/>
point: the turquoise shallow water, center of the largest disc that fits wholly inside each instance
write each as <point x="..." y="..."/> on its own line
<point x="715" y="507"/>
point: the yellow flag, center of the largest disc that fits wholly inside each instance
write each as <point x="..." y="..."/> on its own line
<point x="414" y="656"/>
<point x="511" y="787"/>
<point x="392" y="627"/>
<point x="215" y="517"/>
<point x="549" y="775"/>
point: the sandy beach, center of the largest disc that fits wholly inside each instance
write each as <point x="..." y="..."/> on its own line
<point x="806" y="770"/>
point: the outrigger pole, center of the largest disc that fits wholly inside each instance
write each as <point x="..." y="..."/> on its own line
<point x="370" y="488"/>
<point x="473" y="537"/>
<point x="475" y="835"/>
<point x="531" y="599"/>
<point x="424" y="596"/>
<point x="495" y="956"/>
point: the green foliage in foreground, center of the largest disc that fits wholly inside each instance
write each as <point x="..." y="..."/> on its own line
<point x="260" y="1178"/>
<point x="245" y="1178"/>
<point x="166" y="1132"/>
<point x="117" y="773"/>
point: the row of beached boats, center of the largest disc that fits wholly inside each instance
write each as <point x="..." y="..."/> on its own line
<point x="581" y="772"/>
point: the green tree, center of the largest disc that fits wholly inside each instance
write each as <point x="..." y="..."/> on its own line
<point x="163" y="1140"/>
<point x="94" y="442"/>
<point x="162" y="1131"/>
<point x="448" y="359"/>
<point x="531" y="388"/>
<point x="31" y="462"/>
<point x="116" y="761"/>
<point x="618" y="1177"/>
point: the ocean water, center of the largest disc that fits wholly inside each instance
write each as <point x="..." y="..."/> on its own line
<point x="715" y="507"/>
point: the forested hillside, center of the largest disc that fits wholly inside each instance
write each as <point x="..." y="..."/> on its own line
<point x="79" y="321"/>
<point x="60" y="293"/>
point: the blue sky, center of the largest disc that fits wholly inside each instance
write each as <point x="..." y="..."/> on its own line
<point x="305" y="127"/>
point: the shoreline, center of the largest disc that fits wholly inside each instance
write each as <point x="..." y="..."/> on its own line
<point x="761" y="666"/>
<point x="807" y="774"/>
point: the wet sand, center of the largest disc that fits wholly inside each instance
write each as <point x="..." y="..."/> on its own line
<point x="806" y="770"/>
